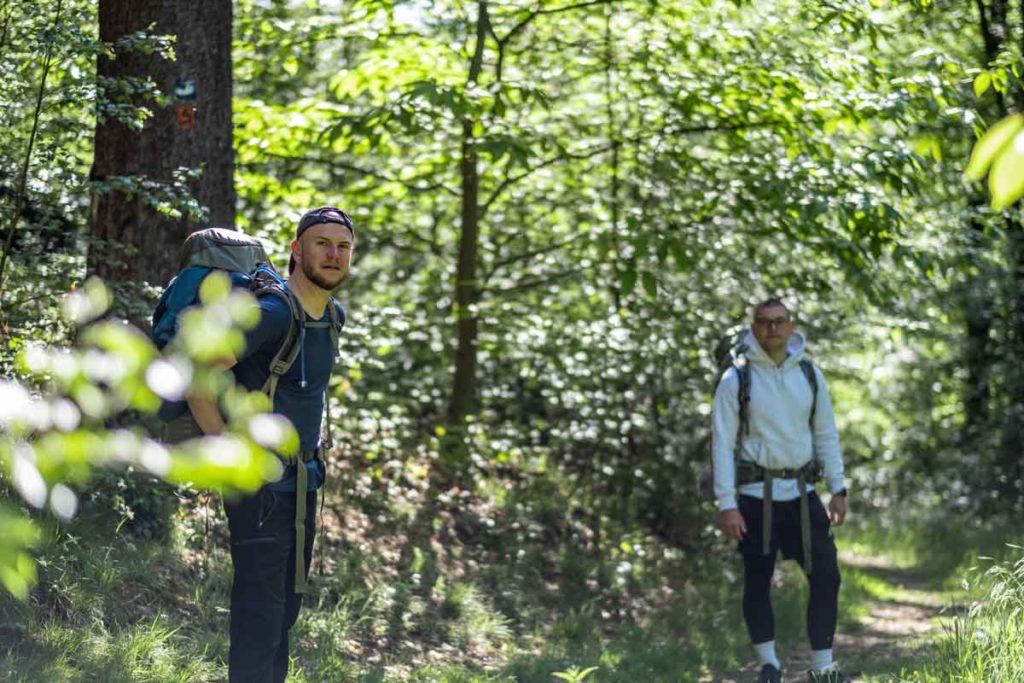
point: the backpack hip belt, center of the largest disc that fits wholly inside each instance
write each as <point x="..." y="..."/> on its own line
<point x="748" y="472"/>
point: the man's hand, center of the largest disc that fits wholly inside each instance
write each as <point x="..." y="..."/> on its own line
<point x="731" y="523"/>
<point x="837" y="510"/>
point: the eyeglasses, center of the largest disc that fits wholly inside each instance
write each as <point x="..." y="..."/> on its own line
<point x="323" y="215"/>
<point x="770" y="322"/>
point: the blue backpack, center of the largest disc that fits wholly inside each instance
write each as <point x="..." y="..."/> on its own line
<point x="246" y="263"/>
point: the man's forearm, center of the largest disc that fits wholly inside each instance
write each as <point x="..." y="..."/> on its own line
<point x="206" y="415"/>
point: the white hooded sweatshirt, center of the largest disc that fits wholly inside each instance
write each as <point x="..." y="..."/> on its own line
<point x="780" y="433"/>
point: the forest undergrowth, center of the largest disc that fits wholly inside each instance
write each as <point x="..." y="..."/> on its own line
<point x="500" y="581"/>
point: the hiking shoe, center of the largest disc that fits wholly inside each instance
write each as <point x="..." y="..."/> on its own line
<point x="830" y="676"/>
<point x="769" y="674"/>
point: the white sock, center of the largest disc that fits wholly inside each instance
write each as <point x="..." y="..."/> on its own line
<point x="766" y="653"/>
<point x="821" y="660"/>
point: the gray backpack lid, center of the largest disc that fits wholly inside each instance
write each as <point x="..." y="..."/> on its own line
<point x="222" y="248"/>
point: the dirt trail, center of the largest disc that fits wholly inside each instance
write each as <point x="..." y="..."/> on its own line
<point x="893" y="632"/>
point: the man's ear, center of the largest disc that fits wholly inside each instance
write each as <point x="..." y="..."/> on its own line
<point x="296" y="248"/>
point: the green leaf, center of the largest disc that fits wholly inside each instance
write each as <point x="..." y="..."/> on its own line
<point x="662" y="251"/>
<point x="982" y="83"/>
<point x="17" y="569"/>
<point x="627" y="280"/>
<point x="650" y="284"/>
<point x="88" y="303"/>
<point x="215" y="287"/>
<point x="990" y="145"/>
<point x="1006" y="179"/>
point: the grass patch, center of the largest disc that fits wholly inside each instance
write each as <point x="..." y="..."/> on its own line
<point x="937" y="545"/>
<point x="986" y="641"/>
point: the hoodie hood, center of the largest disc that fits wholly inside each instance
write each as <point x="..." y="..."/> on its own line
<point x="758" y="356"/>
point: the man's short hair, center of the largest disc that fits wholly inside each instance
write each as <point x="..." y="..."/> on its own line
<point x="772" y="302"/>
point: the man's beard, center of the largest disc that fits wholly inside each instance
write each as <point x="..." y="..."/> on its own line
<point x="320" y="281"/>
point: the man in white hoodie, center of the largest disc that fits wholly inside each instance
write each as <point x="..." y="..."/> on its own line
<point x="773" y="433"/>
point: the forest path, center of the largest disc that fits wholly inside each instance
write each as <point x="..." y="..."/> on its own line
<point x="890" y="625"/>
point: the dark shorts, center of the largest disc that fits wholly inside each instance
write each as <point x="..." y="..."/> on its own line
<point x="786" y="527"/>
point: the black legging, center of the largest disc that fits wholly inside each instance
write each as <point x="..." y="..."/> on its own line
<point x="822" y="606"/>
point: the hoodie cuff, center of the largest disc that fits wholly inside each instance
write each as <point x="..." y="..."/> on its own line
<point x="727" y="503"/>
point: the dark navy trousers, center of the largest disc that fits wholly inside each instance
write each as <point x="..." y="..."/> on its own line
<point x="264" y="605"/>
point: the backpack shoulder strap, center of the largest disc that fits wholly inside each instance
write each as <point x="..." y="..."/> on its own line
<point x="742" y="369"/>
<point x="337" y="322"/>
<point x="743" y="374"/>
<point x="265" y="282"/>
<point x="812" y="378"/>
<point x="334" y="325"/>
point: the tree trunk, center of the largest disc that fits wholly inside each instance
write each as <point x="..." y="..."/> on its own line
<point x="1013" y="427"/>
<point x="130" y="240"/>
<point x="982" y="316"/>
<point x="978" y="364"/>
<point x="996" y="32"/>
<point x="467" y="287"/>
<point x="467" y="292"/>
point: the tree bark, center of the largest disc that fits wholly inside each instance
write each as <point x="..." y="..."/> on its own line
<point x="130" y="240"/>
<point x="467" y="285"/>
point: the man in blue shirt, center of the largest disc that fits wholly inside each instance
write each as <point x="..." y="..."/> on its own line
<point x="269" y="528"/>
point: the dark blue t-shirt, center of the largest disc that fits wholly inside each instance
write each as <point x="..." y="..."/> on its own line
<point x="302" y="405"/>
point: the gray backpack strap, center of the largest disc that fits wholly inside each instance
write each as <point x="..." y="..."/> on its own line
<point x="335" y="331"/>
<point x="805" y="516"/>
<point x="743" y="395"/>
<point x="292" y="345"/>
<point x="743" y="428"/>
<point x="812" y="379"/>
<point x="335" y="327"/>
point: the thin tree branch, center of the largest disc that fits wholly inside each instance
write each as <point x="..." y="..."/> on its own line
<point x="388" y="241"/>
<point x="526" y="255"/>
<point x="991" y="47"/>
<point x="538" y="282"/>
<point x="483" y="27"/>
<point x="538" y="12"/>
<point x="519" y="27"/>
<point x="570" y="8"/>
<point x="511" y="180"/>
<point x="501" y="50"/>
<point x="14" y="305"/>
<point x="730" y="127"/>
<point x="408" y="184"/>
